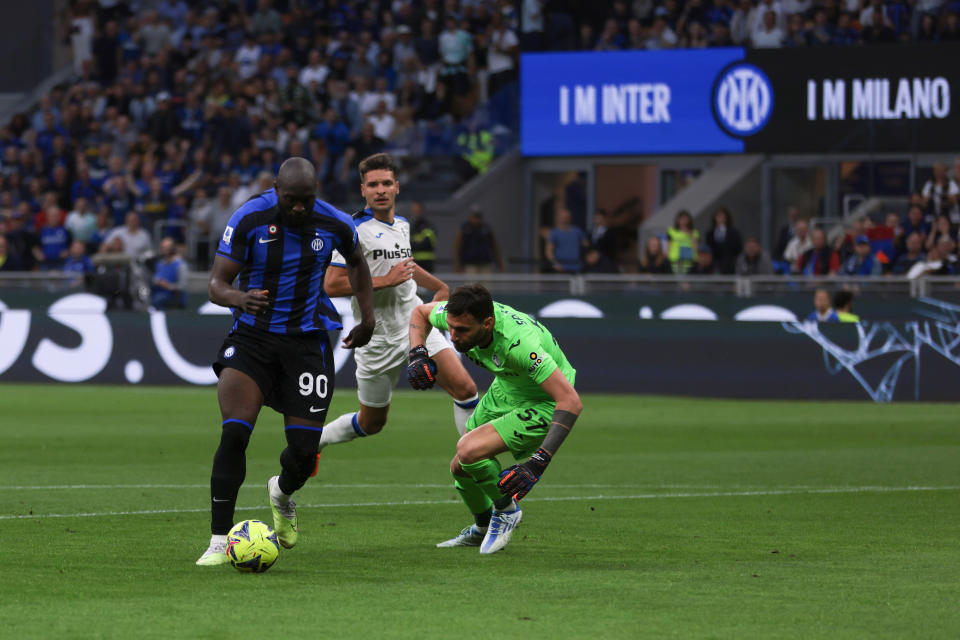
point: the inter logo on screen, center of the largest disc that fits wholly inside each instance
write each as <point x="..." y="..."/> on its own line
<point x="743" y="99"/>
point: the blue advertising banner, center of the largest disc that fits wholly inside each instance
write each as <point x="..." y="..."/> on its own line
<point x="622" y="103"/>
<point x="732" y="101"/>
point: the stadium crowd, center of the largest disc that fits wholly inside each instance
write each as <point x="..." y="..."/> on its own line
<point x="180" y="110"/>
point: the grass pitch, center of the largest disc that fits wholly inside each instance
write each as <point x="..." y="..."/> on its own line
<point x="659" y="518"/>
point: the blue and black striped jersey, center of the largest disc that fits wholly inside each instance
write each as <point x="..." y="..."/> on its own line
<point x="289" y="262"/>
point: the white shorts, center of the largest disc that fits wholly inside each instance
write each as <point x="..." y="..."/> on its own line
<point x="380" y="365"/>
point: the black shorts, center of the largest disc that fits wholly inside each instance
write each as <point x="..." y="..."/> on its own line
<point x="294" y="372"/>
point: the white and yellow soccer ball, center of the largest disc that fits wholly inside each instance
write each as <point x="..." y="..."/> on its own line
<point x="252" y="546"/>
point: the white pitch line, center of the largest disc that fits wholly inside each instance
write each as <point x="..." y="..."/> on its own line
<point x="321" y="486"/>
<point x="643" y="496"/>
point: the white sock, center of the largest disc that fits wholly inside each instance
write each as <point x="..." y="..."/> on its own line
<point x="215" y="540"/>
<point x="343" y="429"/>
<point x="462" y="410"/>
<point x="277" y="495"/>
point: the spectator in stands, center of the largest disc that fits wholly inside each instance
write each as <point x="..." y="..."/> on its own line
<point x="915" y="223"/>
<point x="603" y="241"/>
<point x="133" y="240"/>
<point x="884" y="239"/>
<point x="724" y="241"/>
<point x="786" y="233"/>
<point x="503" y="50"/>
<point x="767" y="35"/>
<point x="383" y="121"/>
<point x="940" y="192"/>
<point x="950" y="263"/>
<point x="103" y="228"/>
<point x="168" y="288"/>
<point x="822" y="31"/>
<point x="9" y="261"/>
<point x="878" y="30"/>
<point x="845" y="245"/>
<point x="423" y="238"/>
<point x="822" y="311"/>
<point x="683" y="240"/>
<point x="54" y="242"/>
<point x="653" y="260"/>
<point x="661" y="36"/>
<point x="266" y="19"/>
<point x="926" y="31"/>
<point x="928" y="265"/>
<point x="704" y="265"/>
<point x="566" y="244"/>
<point x="532" y="25"/>
<point x="942" y="229"/>
<point x="912" y="255"/>
<point x="819" y="259"/>
<point x="797" y="34"/>
<point x="843" y="304"/>
<point x="475" y="248"/>
<point x="455" y="45"/>
<point x="363" y="146"/>
<point x="798" y="245"/>
<point x="77" y="260"/>
<point x="163" y="124"/>
<point x="81" y="222"/>
<point x="862" y="262"/>
<point x="754" y="260"/>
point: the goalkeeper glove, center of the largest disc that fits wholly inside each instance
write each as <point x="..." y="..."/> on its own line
<point x="519" y="479"/>
<point x="422" y="370"/>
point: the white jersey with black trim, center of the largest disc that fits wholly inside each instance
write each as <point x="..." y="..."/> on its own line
<point x="384" y="245"/>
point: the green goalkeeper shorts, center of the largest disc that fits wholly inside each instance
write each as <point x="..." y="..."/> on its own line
<point x="521" y="424"/>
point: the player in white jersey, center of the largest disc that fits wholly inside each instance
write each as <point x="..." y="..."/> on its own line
<point x="385" y="240"/>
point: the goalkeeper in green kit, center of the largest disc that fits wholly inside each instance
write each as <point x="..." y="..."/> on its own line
<point x="529" y="409"/>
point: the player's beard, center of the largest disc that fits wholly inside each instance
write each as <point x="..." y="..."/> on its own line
<point x="383" y="208"/>
<point x="483" y="339"/>
<point x="293" y="219"/>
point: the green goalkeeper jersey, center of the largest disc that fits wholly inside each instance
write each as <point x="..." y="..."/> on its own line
<point x="522" y="354"/>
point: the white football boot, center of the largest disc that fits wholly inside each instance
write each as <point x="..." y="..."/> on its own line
<point x="215" y="554"/>
<point x="502" y="524"/>
<point x="470" y="537"/>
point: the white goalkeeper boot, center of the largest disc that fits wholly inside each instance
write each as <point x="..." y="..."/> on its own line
<point x="502" y="524"/>
<point x="471" y="536"/>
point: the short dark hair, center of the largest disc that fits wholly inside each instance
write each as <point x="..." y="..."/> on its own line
<point x="474" y="299"/>
<point x="842" y="298"/>
<point x="375" y="162"/>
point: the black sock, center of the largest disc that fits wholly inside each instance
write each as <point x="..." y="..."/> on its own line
<point x="299" y="458"/>
<point x="503" y="503"/>
<point x="229" y="470"/>
<point x="483" y="519"/>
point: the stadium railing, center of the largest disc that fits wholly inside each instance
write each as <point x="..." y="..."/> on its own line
<point x="578" y="285"/>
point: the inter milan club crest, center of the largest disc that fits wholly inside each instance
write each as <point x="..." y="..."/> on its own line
<point x="272" y="230"/>
<point x="317" y="244"/>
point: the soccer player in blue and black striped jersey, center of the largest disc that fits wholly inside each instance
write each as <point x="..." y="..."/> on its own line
<point x="277" y="246"/>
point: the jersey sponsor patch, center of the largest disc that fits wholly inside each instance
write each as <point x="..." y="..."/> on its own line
<point x="386" y="254"/>
<point x="537" y="361"/>
<point x="228" y="235"/>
